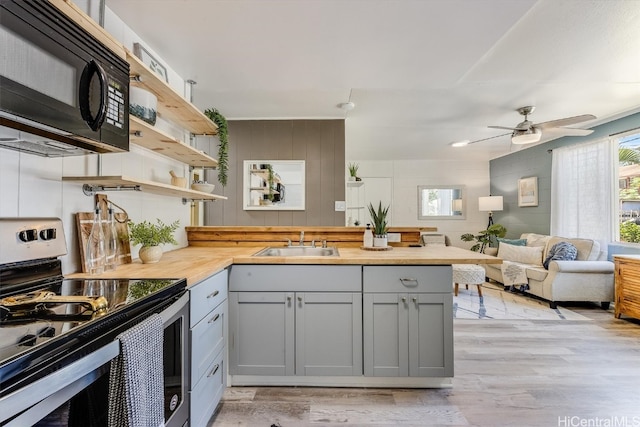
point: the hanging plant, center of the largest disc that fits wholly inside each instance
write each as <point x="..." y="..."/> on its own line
<point x="223" y="155"/>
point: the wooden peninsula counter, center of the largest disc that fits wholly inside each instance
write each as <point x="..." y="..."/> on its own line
<point x="360" y="319"/>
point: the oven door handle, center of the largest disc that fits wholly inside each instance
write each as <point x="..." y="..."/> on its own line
<point x="48" y="386"/>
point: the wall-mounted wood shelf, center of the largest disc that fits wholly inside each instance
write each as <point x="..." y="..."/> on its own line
<point x="171" y="105"/>
<point x="355" y="183"/>
<point x="114" y="183"/>
<point x="160" y="142"/>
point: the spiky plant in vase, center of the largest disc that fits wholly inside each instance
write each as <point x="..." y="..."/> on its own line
<point x="379" y="220"/>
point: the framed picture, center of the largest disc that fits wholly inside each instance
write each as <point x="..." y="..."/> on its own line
<point x="150" y="61"/>
<point x="528" y="191"/>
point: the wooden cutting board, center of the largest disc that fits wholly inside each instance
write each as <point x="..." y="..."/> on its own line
<point x="84" y="222"/>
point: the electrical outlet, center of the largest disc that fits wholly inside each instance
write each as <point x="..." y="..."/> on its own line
<point x="341" y="206"/>
<point x="394" y="237"/>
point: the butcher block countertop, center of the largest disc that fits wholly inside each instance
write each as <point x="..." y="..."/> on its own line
<point x="197" y="263"/>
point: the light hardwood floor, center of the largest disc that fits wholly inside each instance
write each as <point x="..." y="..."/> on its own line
<point x="507" y="373"/>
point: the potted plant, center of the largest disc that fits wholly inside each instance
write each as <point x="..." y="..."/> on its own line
<point x="353" y="171"/>
<point x="484" y="238"/>
<point x="223" y="149"/>
<point x="379" y="219"/>
<point x="151" y="236"/>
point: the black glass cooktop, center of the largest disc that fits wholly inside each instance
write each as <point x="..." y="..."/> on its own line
<point x="45" y="321"/>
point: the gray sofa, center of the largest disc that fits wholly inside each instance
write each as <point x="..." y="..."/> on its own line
<point x="588" y="278"/>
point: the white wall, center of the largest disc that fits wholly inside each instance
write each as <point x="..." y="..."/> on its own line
<point x="405" y="176"/>
<point x="32" y="186"/>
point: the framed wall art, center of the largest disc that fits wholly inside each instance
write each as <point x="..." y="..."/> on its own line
<point x="150" y="61"/>
<point x="528" y="191"/>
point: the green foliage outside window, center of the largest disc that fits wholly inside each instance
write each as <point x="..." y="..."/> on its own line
<point x="630" y="232"/>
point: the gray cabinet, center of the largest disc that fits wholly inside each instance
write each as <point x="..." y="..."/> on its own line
<point x="207" y="334"/>
<point x="295" y="320"/>
<point x="408" y="321"/>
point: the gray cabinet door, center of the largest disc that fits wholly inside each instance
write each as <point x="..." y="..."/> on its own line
<point x="386" y="335"/>
<point x="261" y="333"/>
<point x="430" y="335"/>
<point x="328" y="333"/>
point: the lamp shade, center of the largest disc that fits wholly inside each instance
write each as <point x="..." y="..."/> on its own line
<point x="490" y="203"/>
<point x="526" y="136"/>
<point x="456" y="206"/>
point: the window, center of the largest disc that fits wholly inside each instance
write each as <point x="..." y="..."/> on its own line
<point x="629" y="188"/>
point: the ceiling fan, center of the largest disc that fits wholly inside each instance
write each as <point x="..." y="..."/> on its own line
<point x="527" y="132"/>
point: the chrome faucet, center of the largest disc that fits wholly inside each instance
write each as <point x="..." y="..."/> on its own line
<point x="302" y="238"/>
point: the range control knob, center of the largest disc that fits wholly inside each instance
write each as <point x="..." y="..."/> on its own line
<point x="29" y="235"/>
<point x="48" y="234"/>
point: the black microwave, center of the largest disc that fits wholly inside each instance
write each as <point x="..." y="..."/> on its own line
<point x="62" y="92"/>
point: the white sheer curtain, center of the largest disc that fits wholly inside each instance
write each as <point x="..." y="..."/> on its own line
<point x="584" y="191"/>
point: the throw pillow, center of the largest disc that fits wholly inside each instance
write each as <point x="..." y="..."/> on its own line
<point x="521" y="254"/>
<point x="515" y="242"/>
<point x="563" y="251"/>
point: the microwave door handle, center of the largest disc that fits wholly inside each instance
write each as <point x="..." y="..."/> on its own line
<point x="85" y="83"/>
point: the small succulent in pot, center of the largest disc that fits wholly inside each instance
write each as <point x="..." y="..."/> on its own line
<point x="150" y="236"/>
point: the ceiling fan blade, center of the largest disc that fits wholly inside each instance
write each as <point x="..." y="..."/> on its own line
<point x="486" y="139"/>
<point x="504" y="127"/>
<point x="568" y="131"/>
<point x="567" y="121"/>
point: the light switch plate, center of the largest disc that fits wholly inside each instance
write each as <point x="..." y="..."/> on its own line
<point x="341" y="206"/>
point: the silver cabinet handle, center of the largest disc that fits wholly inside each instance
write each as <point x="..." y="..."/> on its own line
<point x="404" y="299"/>
<point x="289" y="298"/>
<point x="409" y="281"/>
<point x="300" y="299"/>
<point x="214" y="370"/>
<point x="216" y="317"/>
<point x="414" y="299"/>
<point x="213" y="294"/>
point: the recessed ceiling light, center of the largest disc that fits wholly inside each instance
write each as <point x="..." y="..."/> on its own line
<point x="347" y="106"/>
<point x="460" y="143"/>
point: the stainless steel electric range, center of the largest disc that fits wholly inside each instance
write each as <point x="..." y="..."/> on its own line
<point x="58" y="336"/>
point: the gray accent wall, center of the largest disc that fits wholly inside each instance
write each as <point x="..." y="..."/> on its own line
<point x="536" y="161"/>
<point x="321" y="143"/>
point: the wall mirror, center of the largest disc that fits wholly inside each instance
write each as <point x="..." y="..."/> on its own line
<point x="441" y="202"/>
<point x="273" y="185"/>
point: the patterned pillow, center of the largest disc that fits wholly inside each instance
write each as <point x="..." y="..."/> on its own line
<point x="515" y="242"/>
<point x="562" y="251"/>
<point x="521" y="254"/>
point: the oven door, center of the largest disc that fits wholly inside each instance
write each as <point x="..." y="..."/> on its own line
<point x="77" y="395"/>
<point x="61" y="83"/>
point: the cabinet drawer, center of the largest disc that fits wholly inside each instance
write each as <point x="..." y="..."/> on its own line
<point x="427" y="279"/>
<point x="206" y="395"/>
<point x="206" y="295"/>
<point x="207" y="339"/>
<point x="295" y="278"/>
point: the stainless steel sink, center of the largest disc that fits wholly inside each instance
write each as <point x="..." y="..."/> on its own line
<point x="298" y="251"/>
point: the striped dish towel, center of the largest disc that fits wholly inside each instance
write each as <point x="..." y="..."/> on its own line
<point x="136" y="381"/>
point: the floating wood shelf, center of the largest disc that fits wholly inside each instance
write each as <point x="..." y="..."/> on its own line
<point x="145" y="135"/>
<point x="106" y="183"/>
<point x="171" y="105"/>
<point x="355" y="183"/>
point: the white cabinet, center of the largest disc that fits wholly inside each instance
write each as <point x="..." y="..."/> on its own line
<point x="207" y="335"/>
<point x="295" y="320"/>
<point x="408" y="321"/>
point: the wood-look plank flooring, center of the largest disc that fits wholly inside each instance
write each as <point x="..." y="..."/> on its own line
<point x="507" y="373"/>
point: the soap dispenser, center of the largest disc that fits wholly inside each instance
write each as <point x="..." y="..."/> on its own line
<point x="368" y="237"/>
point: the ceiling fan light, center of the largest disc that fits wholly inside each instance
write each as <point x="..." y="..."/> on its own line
<point x="462" y="143"/>
<point x="529" y="136"/>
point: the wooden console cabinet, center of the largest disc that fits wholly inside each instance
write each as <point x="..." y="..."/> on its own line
<point x="627" y="276"/>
